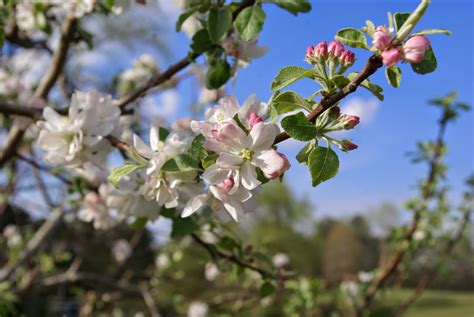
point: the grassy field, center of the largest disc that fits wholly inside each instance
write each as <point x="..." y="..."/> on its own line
<point x="437" y="303"/>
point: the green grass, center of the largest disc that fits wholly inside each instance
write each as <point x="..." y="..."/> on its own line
<point x="436" y="303"/>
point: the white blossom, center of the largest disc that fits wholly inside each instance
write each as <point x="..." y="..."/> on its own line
<point x="243" y="52"/>
<point x="13" y="236"/>
<point x="93" y="209"/>
<point x="211" y="271"/>
<point x="197" y="309"/>
<point x="79" y="137"/>
<point x="365" y="277"/>
<point x="280" y="260"/>
<point x="162" y="261"/>
<point x="121" y="250"/>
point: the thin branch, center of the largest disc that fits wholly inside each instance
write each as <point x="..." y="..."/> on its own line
<point x="16" y="110"/>
<point x="43" y="168"/>
<point x="372" y="65"/>
<point x="426" y="195"/>
<point x="232" y="258"/>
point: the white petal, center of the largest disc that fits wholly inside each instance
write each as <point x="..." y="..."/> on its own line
<point x="154" y="137"/>
<point x="52" y="116"/>
<point x="234" y="209"/>
<point x="262" y="135"/>
<point x="215" y="175"/>
<point x="194" y="204"/>
<point x="143" y="149"/>
<point x="249" y="176"/>
<point x="228" y="160"/>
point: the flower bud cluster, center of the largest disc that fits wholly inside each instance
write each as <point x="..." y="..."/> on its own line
<point x="334" y="53"/>
<point x="412" y="51"/>
<point x="333" y="120"/>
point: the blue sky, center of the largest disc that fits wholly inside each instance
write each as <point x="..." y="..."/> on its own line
<point x="379" y="170"/>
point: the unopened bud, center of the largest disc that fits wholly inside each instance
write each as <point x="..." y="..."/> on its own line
<point x="335" y="49"/>
<point x="309" y="54"/>
<point x="254" y="119"/>
<point x="320" y="51"/>
<point x="349" y="122"/>
<point x="347" y="58"/>
<point x="347" y="145"/>
<point x="391" y="57"/>
<point x="415" y="48"/>
<point x="334" y="112"/>
<point x="382" y="38"/>
<point x="227" y="184"/>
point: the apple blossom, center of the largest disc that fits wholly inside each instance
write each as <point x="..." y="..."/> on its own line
<point x="381" y="38"/>
<point x="335" y="49"/>
<point x="164" y="187"/>
<point x="391" y="57"/>
<point x="121" y="250"/>
<point x="73" y="139"/>
<point x="415" y="48"/>
<point x="243" y="52"/>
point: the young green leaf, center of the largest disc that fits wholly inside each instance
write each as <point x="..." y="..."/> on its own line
<point x="427" y="65"/>
<point x="116" y="174"/>
<point x="201" y="42"/>
<point x="394" y="76"/>
<point x="197" y="151"/>
<point x="162" y="134"/>
<point x="217" y="74"/>
<point x="219" y="22"/>
<point x="135" y="156"/>
<point x="303" y="154"/>
<point x="289" y="101"/>
<point x="432" y="31"/>
<point x="323" y="164"/>
<point x="294" y="6"/>
<point x="181" y="227"/>
<point x="249" y="22"/>
<point x="181" y="163"/>
<point x="184" y="16"/>
<point x="400" y="18"/>
<point x="288" y="75"/>
<point x="340" y="81"/>
<point x="298" y="127"/>
<point x="352" y="37"/>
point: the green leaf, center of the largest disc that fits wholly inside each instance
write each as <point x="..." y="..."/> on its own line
<point x="289" y="101"/>
<point x="219" y="22"/>
<point x="394" y="76"/>
<point x="181" y="163"/>
<point x="298" y="127"/>
<point x="209" y="160"/>
<point x="182" y="227"/>
<point x="294" y="6"/>
<point x="197" y="151"/>
<point x="139" y="223"/>
<point x="162" y="134"/>
<point x="217" y="75"/>
<point x="169" y="213"/>
<point x="303" y="154"/>
<point x="375" y="89"/>
<point x="369" y="28"/>
<point x="288" y="75"/>
<point x="249" y="22"/>
<point x="267" y="289"/>
<point x="184" y="16"/>
<point x="201" y="42"/>
<point x="340" y="81"/>
<point x="352" y="37"/>
<point x="135" y="156"/>
<point x="427" y="65"/>
<point x="432" y="31"/>
<point x="323" y="164"/>
<point x="400" y="18"/>
<point x="116" y="174"/>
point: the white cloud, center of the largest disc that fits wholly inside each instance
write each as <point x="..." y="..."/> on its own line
<point x="164" y="105"/>
<point x="363" y="108"/>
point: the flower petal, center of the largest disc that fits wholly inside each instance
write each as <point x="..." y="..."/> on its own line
<point x="249" y="176"/>
<point x="143" y="149"/>
<point x="262" y="135"/>
<point x="193" y="205"/>
<point x="228" y="160"/>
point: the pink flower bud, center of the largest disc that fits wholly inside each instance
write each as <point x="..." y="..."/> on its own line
<point x="347" y="58"/>
<point x="225" y="132"/>
<point x="391" y="57"/>
<point x="347" y="145"/>
<point x="309" y="54"/>
<point x="335" y="49"/>
<point x="320" y="51"/>
<point x="382" y="38"/>
<point x="275" y="164"/>
<point x="349" y="122"/>
<point x="254" y="119"/>
<point x="415" y="48"/>
<point x="227" y="184"/>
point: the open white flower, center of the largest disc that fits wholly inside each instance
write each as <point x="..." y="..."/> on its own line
<point x="165" y="187"/>
<point x="243" y="52"/>
<point x="79" y="137"/>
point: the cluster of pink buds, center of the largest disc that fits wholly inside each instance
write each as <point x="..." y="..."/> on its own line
<point x="413" y="51"/>
<point x="334" y="52"/>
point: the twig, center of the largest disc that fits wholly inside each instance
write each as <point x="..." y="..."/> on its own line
<point x="43" y="168"/>
<point x="219" y="254"/>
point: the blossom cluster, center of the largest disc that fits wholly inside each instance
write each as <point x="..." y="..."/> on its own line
<point x="334" y="54"/>
<point x="242" y="143"/>
<point x="412" y="51"/>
